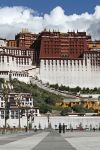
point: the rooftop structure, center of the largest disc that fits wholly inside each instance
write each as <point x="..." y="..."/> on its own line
<point x="25" y="39"/>
<point x="11" y="43"/>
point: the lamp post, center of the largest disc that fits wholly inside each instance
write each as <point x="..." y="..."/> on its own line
<point x="27" y="117"/>
<point x="18" y="102"/>
<point x="48" y="117"/>
<point x="32" y="116"/>
<point x="6" y="87"/>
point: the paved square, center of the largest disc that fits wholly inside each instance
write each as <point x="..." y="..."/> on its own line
<point x="51" y="140"/>
<point x="83" y="140"/>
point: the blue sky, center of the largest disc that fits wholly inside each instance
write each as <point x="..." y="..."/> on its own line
<point x="45" y="6"/>
<point x="62" y="15"/>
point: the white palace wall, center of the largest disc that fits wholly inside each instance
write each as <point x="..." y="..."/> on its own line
<point x="70" y="121"/>
<point x="12" y="65"/>
<point x="16" y="70"/>
<point x="70" y="72"/>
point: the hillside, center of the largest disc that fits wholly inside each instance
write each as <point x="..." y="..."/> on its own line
<point x="43" y="99"/>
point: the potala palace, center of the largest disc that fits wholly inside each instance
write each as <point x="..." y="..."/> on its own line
<point x="70" y="59"/>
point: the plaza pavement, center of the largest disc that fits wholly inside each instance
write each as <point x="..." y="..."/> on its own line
<point x="83" y="140"/>
<point x="51" y="140"/>
<point x="21" y="141"/>
<point x="54" y="141"/>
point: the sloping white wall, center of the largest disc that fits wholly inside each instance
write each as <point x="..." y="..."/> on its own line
<point x="70" y="73"/>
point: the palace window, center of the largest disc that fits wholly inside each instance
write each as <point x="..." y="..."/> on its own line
<point x="48" y="62"/>
<point x="16" y="114"/>
<point x="74" y="62"/>
<point x="12" y="114"/>
<point x="1" y="104"/>
<point x="59" y="62"/>
<point x="19" y="60"/>
<point x="78" y="62"/>
<point x="2" y="58"/>
<point x="12" y="58"/>
<point x="70" y="62"/>
<point x="44" y="62"/>
<point x="56" y="62"/>
<point x="28" y="61"/>
<point x="7" y="58"/>
<point x="25" y="61"/>
<point x="2" y="114"/>
<point x="52" y="62"/>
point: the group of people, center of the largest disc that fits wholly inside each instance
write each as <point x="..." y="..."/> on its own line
<point x="62" y="128"/>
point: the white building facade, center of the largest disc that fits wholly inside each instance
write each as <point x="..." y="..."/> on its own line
<point x="83" y="72"/>
<point x="22" y="102"/>
<point x="15" y="62"/>
<point x="3" y="42"/>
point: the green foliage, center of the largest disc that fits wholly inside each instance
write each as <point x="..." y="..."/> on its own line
<point x="46" y="101"/>
<point x="20" y="86"/>
<point x="66" y="110"/>
<point x="30" y="126"/>
<point x="1" y="82"/>
<point x="64" y="88"/>
<point x="76" y="89"/>
<point x="50" y="99"/>
<point x="76" y="109"/>
<point x="81" y="109"/>
<point x="55" y="86"/>
<point x="42" y="99"/>
<point x="90" y="91"/>
<point x="44" y="108"/>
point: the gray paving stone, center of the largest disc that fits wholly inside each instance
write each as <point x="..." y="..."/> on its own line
<point x="54" y="141"/>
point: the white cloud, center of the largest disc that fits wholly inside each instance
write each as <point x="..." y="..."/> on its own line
<point x="13" y="19"/>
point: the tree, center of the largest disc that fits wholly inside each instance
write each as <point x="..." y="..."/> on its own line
<point x="77" y="89"/>
<point x="45" y="108"/>
<point x="56" y="86"/>
<point x="78" y="109"/>
<point x="81" y="109"/>
<point x="50" y="99"/>
<point x="66" y="111"/>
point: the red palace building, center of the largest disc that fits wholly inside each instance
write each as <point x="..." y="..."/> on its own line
<point x="57" y="45"/>
<point x="25" y="38"/>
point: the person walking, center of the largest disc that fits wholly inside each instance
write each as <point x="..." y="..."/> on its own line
<point x="63" y="127"/>
<point x="59" y="127"/>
